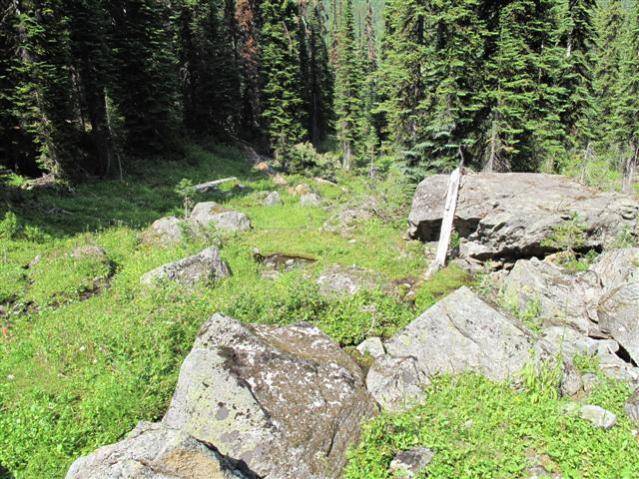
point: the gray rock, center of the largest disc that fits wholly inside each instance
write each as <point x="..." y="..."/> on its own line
<point x="397" y="383"/>
<point x="288" y="402"/>
<point x="509" y="215"/>
<point x="616" y="267"/>
<point x="410" y="463"/>
<point x="563" y="299"/>
<point x="204" y="266"/>
<point x="372" y="346"/>
<point x="272" y="199"/>
<point x="310" y="199"/>
<point x="153" y="451"/>
<point x="590" y="381"/>
<point x="571" y="383"/>
<point x="168" y="231"/>
<point x="632" y="408"/>
<point x="598" y="416"/>
<point x="346" y="281"/>
<point x="618" y="312"/>
<point x="89" y="252"/>
<point x="460" y="333"/>
<point x="212" y="214"/>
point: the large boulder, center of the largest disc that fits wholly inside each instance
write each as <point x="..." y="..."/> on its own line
<point x="209" y="214"/>
<point x="153" y="451"/>
<point x="287" y="402"/>
<point x="508" y="216"/>
<point x="204" y="266"/>
<point x="460" y="333"/>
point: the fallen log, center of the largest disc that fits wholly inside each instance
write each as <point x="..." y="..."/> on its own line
<point x="212" y="185"/>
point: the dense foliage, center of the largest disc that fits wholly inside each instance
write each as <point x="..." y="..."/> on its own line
<point x="520" y="85"/>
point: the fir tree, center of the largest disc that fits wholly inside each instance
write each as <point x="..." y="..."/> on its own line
<point x="282" y="100"/>
<point x="145" y="75"/>
<point x="44" y="100"/>
<point x="348" y="84"/>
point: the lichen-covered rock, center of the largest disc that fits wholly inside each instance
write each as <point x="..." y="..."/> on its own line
<point x="562" y="298"/>
<point x="310" y="199"/>
<point x="272" y="199"/>
<point x="91" y="252"/>
<point x="397" y="383"/>
<point x="204" y="266"/>
<point x="598" y="416"/>
<point x="287" y="401"/>
<point x="372" y="346"/>
<point x="632" y="408"/>
<point x="616" y="267"/>
<point x="153" y="451"/>
<point x="408" y="464"/>
<point x="460" y="333"/>
<point x="167" y="231"/>
<point x="510" y="215"/>
<point x="346" y="281"/>
<point x="212" y="214"/>
<point x="619" y="316"/>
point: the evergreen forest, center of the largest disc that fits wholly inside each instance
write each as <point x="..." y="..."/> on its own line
<point x="86" y="87"/>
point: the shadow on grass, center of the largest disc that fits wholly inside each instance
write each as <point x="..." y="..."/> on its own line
<point x="145" y="194"/>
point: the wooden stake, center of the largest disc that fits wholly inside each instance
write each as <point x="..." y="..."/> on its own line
<point x="448" y="217"/>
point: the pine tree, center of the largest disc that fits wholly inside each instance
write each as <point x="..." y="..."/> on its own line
<point x="577" y="78"/>
<point x="608" y="22"/>
<point x="282" y="100"/>
<point x="145" y="89"/>
<point x="17" y="148"/>
<point x="348" y="84"/>
<point x="319" y="76"/>
<point x="210" y="77"/>
<point x="44" y="100"/>
<point x="370" y="124"/>
<point x="89" y="39"/>
<point x="246" y="15"/>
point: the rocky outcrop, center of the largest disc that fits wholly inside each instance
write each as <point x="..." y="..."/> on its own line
<point x="562" y="298"/>
<point x="460" y="333"/>
<point x="251" y="402"/>
<point x="154" y="451"/>
<point x="204" y="266"/>
<point x="508" y="216"/>
<point x="211" y="214"/>
<point x="592" y="313"/>
<point x="285" y="401"/>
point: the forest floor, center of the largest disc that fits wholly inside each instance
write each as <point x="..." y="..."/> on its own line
<point x="86" y="352"/>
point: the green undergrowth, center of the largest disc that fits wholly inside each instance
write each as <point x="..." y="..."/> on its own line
<point x="86" y="352"/>
<point x="479" y="429"/>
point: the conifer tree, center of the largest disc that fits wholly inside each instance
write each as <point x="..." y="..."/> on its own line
<point x="145" y="74"/>
<point x="211" y="80"/>
<point x="608" y="22"/>
<point x="89" y="39"/>
<point x="282" y="100"/>
<point x="319" y="76"/>
<point x="246" y="15"/>
<point x="44" y="98"/>
<point x="348" y="84"/>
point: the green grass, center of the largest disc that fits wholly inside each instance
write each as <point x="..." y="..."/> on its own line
<point x="86" y="352"/>
<point x="483" y="430"/>
<point x="81" y="364"/>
